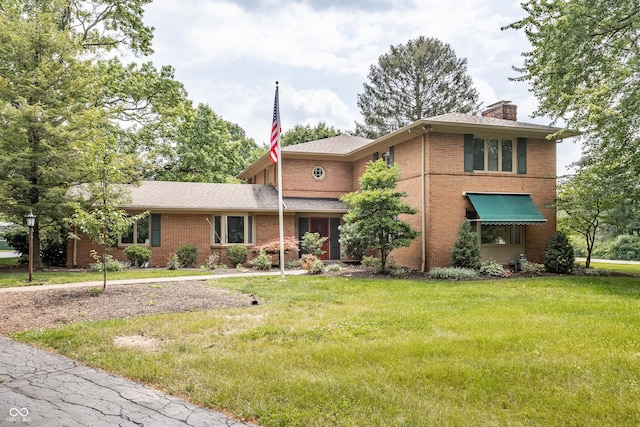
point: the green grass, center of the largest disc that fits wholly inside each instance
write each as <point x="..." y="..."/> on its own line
<point x="616" y="267"/>
<point x="321" y="351"/>
<point x="60" y="277"/>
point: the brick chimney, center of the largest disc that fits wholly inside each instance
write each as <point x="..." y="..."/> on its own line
<point x="502" y="110"/>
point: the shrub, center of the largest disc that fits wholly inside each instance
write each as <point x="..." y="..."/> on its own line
<point x="558" y="255"/>
<point x="466" y="251"/>
<point x="212" y="261"/>
<point x="400" y="272"/>
<point x="372" y="262"/>
<point x="173" y="263"/>
<point x="625" y="247"/>
<point x="312" y="243"/>
<point x="491" y="268"/>
<point x="453" y="273"/>
<point x="111" y="264"/>
<point x="262" y="261"/>
<point x="292" y="264"/>
<point x="312" y="264"/>
<point x="138" y="255"/>
<point x="187" y="255"/>
<point x="334" y="268"/>
<point x="534" y="268"/>
<point x="237" y="254"/>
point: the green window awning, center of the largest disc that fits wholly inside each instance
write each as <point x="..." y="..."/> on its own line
<point x="505" y="209"/>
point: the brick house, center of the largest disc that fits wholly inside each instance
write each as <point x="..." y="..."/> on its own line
<point x="492" y="170"/>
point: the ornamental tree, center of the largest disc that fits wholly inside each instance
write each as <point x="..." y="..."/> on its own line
<point x="372" y="221"/>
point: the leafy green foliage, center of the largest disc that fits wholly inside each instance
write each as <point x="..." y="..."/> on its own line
<point x="107" y="263"/>
<point x="420" y="79"/>
<point x="213" y="261"/>
<point x="466" y="250"/>
<point x="262" y="261"/>
<point x="237" y="254"/>
<point x="625" y="247"/>
<point x="372" y="262"/>
<point x="138" y="255"/>
<point x="312" y="243"/>
<point x="584" y="199"/>
<point x="59" y="96"/>
<point x="312" y="264"/>
<point x="373" y="218"/>
<point x="491" y="268"/>
<point x="558" y="255"/>
<point x="187" y="255"/>
<point x="583" y="68"/>
<point x="173" y="263"/>
<point x="453" y="273"/>
<point x="206" y="149"/>
<point x="300" y="134"/>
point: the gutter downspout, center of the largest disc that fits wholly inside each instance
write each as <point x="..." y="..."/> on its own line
<point x="423" y="262"/>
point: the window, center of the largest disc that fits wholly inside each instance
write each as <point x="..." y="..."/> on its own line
<point x="501" y="234"/>
<point x="233" y="229"/>
<point x="492" y="154"/>
<point x="318" y="172"/>
<point x="138" y="233"/>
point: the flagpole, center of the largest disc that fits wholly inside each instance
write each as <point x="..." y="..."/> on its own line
<point x="275" y="137"/>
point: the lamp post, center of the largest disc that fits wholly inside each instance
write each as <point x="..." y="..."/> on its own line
<point x="31" y="222"/>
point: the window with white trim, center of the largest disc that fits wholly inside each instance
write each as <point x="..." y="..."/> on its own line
<point x="233" y="229"/>
<point x="138" y="233"/>
<point x="493" y="154"/>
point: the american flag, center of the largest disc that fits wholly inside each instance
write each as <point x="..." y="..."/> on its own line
<point x="276" y="129"/>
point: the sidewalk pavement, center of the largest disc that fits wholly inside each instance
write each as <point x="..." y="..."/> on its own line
<point x="39" y="388"/>
<point x="98" y="283"/>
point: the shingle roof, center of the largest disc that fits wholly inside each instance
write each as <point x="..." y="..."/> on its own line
<point x="488" y="121"/>
<point x="341" y="144"/>
<point x="197" y="196"/>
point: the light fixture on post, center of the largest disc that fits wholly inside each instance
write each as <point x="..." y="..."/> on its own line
<point x="31" y="222"/>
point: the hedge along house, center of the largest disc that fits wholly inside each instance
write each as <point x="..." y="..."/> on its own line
<point x="492" y="170"/>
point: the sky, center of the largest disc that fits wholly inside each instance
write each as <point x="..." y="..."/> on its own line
<point x="229" y="54"/>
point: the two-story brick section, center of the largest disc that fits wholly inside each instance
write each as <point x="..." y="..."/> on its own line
<point x="492" y="170"/>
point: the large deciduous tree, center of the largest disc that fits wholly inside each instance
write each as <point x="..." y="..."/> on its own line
<point x="58" y="95"/>
<point x="585" y="199"/>
<point x="420" y="79"/>
<point x="300" y="134"/>
<point x="206" y="149"/>
<point x="372" y="220"/>
<point x="584" y="67"/>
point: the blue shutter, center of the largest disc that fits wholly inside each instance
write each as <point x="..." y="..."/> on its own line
<point x="522" y="155"/>
<point x="468" y="152"/>
<point x="155" y="230"/>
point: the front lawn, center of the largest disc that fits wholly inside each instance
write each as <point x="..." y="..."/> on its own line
<point x="321" y="351"/>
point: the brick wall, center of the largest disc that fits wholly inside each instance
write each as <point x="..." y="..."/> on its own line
<point x="184" y="228"/>
<point x="445" y="182"/>
<point x="298" y="179"/>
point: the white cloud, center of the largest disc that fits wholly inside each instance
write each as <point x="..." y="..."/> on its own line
<point x="229" y="53"/>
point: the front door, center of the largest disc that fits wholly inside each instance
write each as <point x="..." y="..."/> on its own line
<point x="321" y="226"/>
